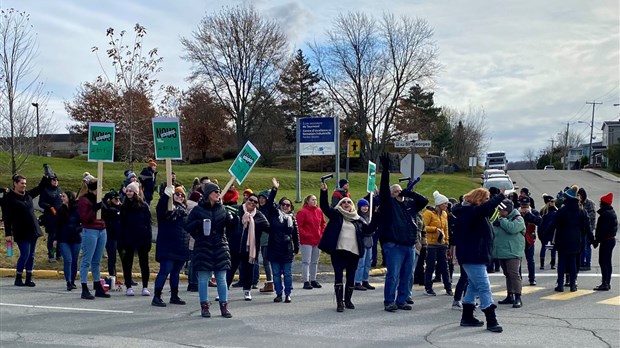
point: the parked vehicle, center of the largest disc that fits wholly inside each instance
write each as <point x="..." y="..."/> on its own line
<point x="549" y="167"/>
<point x="496" y="160"/>
<point x="501" y="183"/>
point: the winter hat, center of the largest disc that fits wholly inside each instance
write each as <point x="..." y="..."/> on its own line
<point x="525" y="190"/>
<point x="151" y="162"/>
<point x="525" y="201"/>
<point x="608" y="198"/>
<point x="572" y="192"/>
<point x="264" y="193"/>
<point x="248" y="191"/>
<point x="110" y="195"/>
<point x="494" y="191"/>
<point x="582" y="193"/>
<point x="210" y="187"/>
<point x="342" y="182"/>
<point x="130" y="175"/>
<point x="87" y="177"/>
<point x="506" y="205"/>
<point x="439" y="198"/>
<point x="362" y="202"/>
<point x="195" y="196"/>
<point x="179" y="189"/>
<point x="231" y="196"/>
<point x="547" y="198"/>
<point x="134" y="186"/>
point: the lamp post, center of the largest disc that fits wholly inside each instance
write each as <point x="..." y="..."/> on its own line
<point x="36" y="106"/>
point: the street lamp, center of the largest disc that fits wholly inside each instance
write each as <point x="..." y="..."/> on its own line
<point x="36" y="106"/>
<point x="591" y="153"/>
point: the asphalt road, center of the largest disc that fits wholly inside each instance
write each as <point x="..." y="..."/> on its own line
<point x="48" y="315"/>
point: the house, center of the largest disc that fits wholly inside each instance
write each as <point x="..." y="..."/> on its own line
<point x="575" y="154"/>
<point x="611" y="136"/>
<point x="63" y="145"/>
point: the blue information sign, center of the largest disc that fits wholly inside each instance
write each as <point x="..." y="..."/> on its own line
<point x="317" y="136"/>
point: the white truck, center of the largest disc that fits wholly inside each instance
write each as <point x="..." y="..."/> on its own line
<point x="496" y="160"/>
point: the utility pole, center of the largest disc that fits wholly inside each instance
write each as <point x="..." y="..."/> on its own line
<point x="566" y="146"/>
<point x="36" y="106"/>
<point x="551" y="152"/>
<point x="592" y="130"/>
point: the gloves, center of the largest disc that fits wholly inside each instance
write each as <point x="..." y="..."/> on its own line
<point x="169" y="190"/>
<point x="45" y="181"/>
<point x="385" y="160"/>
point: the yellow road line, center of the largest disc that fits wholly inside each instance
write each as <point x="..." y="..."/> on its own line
<point x="611" y="301"/>
<point x="524" y="291"/>
<point x="567" y="295"/>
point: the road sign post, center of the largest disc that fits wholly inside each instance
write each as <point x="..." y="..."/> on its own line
<point x="353" y="151"/>
<point x="406" y="166"/>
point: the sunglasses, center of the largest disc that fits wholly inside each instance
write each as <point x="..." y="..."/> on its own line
<point x="285" y="204"/>
<point x="346" y="202"/>
<point x="255" y="201"/>
<point x="178" y="194"/>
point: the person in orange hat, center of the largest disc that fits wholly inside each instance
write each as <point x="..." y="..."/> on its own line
<point x="246" y="193"/>
<point x="605" y="236"/>
<point x="148" y="179"/>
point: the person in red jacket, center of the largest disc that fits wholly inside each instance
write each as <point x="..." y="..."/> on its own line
<point x="311" y="224"/>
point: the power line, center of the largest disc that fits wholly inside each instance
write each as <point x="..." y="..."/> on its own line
<point x="606" y="94"/>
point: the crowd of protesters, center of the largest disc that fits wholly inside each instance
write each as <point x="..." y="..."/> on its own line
<point x="481" y="232"/>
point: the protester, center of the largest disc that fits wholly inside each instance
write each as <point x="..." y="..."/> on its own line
<point x="606" y="229"/>
<point x="68" y="236"/>
<point x="94" y="237"/>
<point x="340" y="192"/>
<point x="172" y="247"/>
<point x="311" y="224"/>
<point x="148" y="180"/>
<point x="474" y="248"/>
<point x="192" y="276"/>
<point x="21" y="225"/>
<point x="508" y="248"/>
<point x="546" y="233"/>
<point x="269" y="209"/>
<point x="436" y="224"/>
<point x="111" y="214"/>
<point x="585" y="258"/>
<point x="398" y="237"/>
<point x="50" y="202"/>
<point x="532" y="222"/>
<point x="363" y="265"/>
<point x="136" y="236"/>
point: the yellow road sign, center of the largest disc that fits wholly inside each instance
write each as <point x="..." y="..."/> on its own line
<point x="354" y="148"/>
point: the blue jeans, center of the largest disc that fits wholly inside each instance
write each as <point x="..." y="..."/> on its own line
<point x="203" y="285"/>
<point x="363" y="266"/>
<point x="282" y="269"/>
<point x="415" y="264"/>
<point x="93" y="245"/>
<point x="266" y="263"/>
<point x="26" y="255"/>
<point x="531" y="266"/>
<point x="399" y="262"/>
<point x="168" y="267"/>
<point x="70" y="254"/>
<point x="586" y="252"/>
<point x="478" y="285"/>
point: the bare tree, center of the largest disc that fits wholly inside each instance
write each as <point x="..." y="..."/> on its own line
<point x="469" y="136"/>
<point x="19" y="89"/>
<point x="236" y="52"/>
<point x="530" y="155"/>
<point x="368" y="66"/>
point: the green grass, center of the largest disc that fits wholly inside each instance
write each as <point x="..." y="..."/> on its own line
<point x="70" y="172"/>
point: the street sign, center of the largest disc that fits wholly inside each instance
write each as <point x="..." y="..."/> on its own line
<point x="246" y="159"/>
<point x="417" y="144"/>
<point x="473" y="161"/>
<point x="405" y="166"/>
<point x="101" y="142"/>
<point x="372" y="177"/>
<point x="167" y="137"/>
<point x="354" y="148"/>
<point x="317" y="136"/>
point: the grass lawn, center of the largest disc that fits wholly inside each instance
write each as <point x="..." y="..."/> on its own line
<point x="70" y="173"/>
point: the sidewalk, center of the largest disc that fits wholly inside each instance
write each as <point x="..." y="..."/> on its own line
<point x="603" y="174"/>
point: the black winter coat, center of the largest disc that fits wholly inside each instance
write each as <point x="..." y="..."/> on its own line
<point x="474" y="234"/>
<point x="607" y="223"/>
<point x="136" y="226"/>
<point x="283" y="240"/>
<point x="68" y="226"/>
<point x="111" y="214"/>
<point x="18" y="215"/>
<point x="329" y="241"/>
<point x="238" y="237"/>
<point x="571" y="225"/>
<point x="172" y="239"/>
<point x="148" y="179"/>
<point x="211" y="253"/>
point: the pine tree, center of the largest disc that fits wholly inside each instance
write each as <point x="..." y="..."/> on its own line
<point x="300" y="95"/>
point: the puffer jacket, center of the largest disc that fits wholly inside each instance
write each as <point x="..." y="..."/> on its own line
<point x="283" y="239"/>
<point x="509" y="242"/>
<point x="434" y="221"/>
<point x="136" y="226"/>
<point x="607" y="224"/>
<point x="172" y="239"/>
<point x="311" y="224"/>
<point x="212" y="252"/>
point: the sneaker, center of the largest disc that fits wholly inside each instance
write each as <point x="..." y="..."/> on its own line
<point x="217" y="298"/>
<point x="287" y="299"/>
<point x="541" y="268"/>
<point x="278" y="299"/>
<point x="368" y="286"/>
<point x="247" y="295"/>
<point x="404" y="307"/>
<point x="315" y="284"/>
<point x="255" y="286"/>
<point x="409" y="300"/>
<point x="146" y="292"/>
<point x="449" y="292"/>
<point x="430" y="292"/>
<point x="457" y="305"/>
<point x="130" y="292"/>
<point x="358" y="286"/>
<point x="307" y="286"/>
<point x="532" y="283"/>
<point x="392" y="307"/>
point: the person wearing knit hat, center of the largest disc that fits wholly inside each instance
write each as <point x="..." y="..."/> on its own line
<point x="340" y="192"/>
<point x="570" y="223"/>
<point x="585" y="258"/>
<point x="605" y="236"/>
<point x="148" y="179"/>
<point x="547" y="198"/>
<point x="363" y="266"/>
<point x="246" y="193"/>
<point x="532" y="222"/>
<point x="131" y="176"/>
<point x="525" y="192"/>
<point x="231" y="196"/>
<point x="436" y="225"/>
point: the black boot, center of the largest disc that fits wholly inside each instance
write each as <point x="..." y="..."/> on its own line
<point x="99" y="292"/>
<point x="18" y="280"/>
<point x="338" y="289"/>
<point x="174" y="296"/>
<point x="467" y="318"/>
<point x="347" y="298"/>
<point x="492" y="324"/>
<point x="69" y="286"/>
<point x="157" y="301"/>
<point x="29" y="281"/>
<point x="86" y="293"/>
<point x="517" y="303"/>
<point x="204" y="310"/>
<point x="508" y="300"/>
<point x="224" y="310"/>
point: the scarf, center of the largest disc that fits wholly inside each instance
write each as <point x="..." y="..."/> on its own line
<point x="248" y="222"/>
<point x="347" y="215"/>
<point x="286" y="216"/>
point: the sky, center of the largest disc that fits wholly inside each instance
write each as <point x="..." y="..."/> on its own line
<point x="530" y="65"/>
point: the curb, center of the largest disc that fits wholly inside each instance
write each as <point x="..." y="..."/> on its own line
<point x="602" y="174"/>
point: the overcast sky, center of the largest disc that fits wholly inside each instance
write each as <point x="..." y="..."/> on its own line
<point x="531" y="65"/>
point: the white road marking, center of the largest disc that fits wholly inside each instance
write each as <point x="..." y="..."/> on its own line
<point x="66" y="308"/>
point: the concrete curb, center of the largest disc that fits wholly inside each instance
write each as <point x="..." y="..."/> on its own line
<point x="603" y="174"/>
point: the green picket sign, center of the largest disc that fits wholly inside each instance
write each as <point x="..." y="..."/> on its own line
<point x="372" y="177"/>
<point x="101" y="142"/>
<point x="167" y="138"/>
<point x="246" y="159"/>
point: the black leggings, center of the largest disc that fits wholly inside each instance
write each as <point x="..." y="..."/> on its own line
<point x="111" y="247"/>
<point x="143" y="258"/>
<point x="344" y="260"/>
<point x="246" y="270"/>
